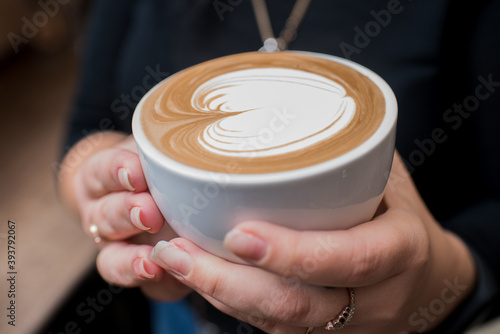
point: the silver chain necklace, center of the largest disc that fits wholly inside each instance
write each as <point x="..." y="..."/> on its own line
<point x="289" y="31"/>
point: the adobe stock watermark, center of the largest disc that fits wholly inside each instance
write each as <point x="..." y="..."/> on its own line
<point x="325" y="247"/>
<point x="452" y="117"/>
<point x="372" y="29"/>
<point x="201" y="197"/>
<point x="293" y="280"/>
<point x="88" y="309"/>
<point x="31" y="27"/>
<point x="222" y="7"/>
<point x="122" y="107"/>
<point x="81" y="150"/>
<point x="425" y="316"/>
<point x="125" y="104"/>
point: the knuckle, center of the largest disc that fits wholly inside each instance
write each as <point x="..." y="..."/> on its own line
<point x="414" y="245"/>
<point x="267" y="325"/>
<point x="104" y="213"/>
<point x="214" y="287"/>
<point x="364" y="262"/>
<point x="401" y="247"/>
<point x="290" y="306"/>
<point x="88" y="176"/>
<point x="112" y="212"/>
<point x="421" y="257"/>
<point x="421" y="249"/>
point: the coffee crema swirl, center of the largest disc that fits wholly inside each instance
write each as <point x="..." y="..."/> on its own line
<point x="256" y="112"/>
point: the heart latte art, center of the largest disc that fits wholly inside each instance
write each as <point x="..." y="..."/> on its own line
<point x="262" y="112"/>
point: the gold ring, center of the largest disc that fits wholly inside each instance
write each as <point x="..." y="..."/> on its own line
<point x="341" y="320"/>
<point x="94" y="231"/>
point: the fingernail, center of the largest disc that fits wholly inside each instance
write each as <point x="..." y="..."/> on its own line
<point x="123" y="176"/>
<point x="140" y="269"/>
<point x="135" y="218"/>
<point x="171" y="257"/>
<point x="245" y="245"/>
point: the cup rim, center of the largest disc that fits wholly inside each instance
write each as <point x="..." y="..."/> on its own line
<point x="382" y="132"/>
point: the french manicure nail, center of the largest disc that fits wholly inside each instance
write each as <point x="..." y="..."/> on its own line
<point x="123" y="176"/>
<point x="135" y="218"/>
<point x="171" y="257"/>
<point x="245" y="245"/>
<point x="140" y="269"/>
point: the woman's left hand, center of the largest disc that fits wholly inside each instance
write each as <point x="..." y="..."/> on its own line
<point x="408" y="273"/>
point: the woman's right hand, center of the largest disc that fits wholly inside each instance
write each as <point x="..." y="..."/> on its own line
<point x="108" y="191"/>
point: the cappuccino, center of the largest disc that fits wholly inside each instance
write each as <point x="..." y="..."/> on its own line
<point x="303" y="140"/>
<point x="262" y="112"/>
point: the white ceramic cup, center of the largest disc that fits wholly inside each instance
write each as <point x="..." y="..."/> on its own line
<point x="337" y="194"/>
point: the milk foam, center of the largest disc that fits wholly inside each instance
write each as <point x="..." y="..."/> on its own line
<point x="262" y="112"/>
<point x="270" y="111"/>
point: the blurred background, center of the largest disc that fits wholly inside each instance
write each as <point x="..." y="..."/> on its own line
<point x="57" y="287"/>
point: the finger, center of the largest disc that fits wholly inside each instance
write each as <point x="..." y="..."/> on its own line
<point x="127" y="265"/>
<point x="113" y="170"/>
<point x="255" y="319"/>
<point x="363" y="255"/>
<point x="246" y="289"/>
<point x="402" y="193"/>
<point x="120" y="215"/>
